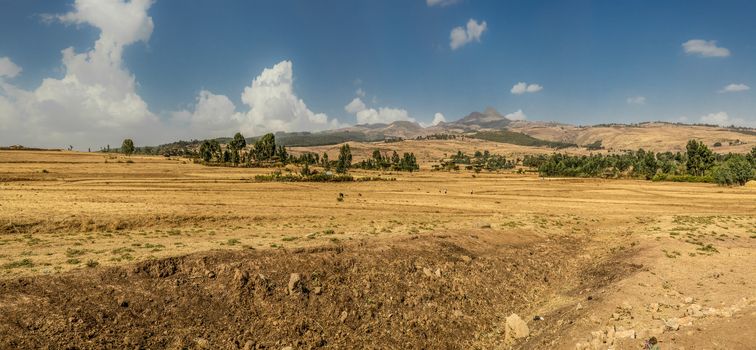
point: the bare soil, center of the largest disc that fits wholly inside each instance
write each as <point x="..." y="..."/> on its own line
<point x="162" y="253"/>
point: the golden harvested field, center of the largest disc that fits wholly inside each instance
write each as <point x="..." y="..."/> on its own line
<point x="657" y="137"/>
<point x="97" y="243"/>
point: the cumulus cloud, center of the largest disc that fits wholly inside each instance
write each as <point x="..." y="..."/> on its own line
<point x="432" y="3"/>
<point x="724" y="119"/>
<point x="273" y="106"/>
<point x="96" y="97"/>
<point x="518" y="115"/>
<point x="367" y="115"/>
<point x="438" y="118"/>
<point x="705" y="48"/>
<point x="212" y="116"/>
<point x="96" y="103"/>
<point x="522" y="87"/>
<point x="636" y="100"/>
<point x="8" y="69"/>
<point x="735" y="88"/>
<point x="461" y="36"/>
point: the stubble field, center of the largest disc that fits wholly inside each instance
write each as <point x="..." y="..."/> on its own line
<point x="106" y="251"/>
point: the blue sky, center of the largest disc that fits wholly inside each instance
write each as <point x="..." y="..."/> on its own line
<point x="594" y="61"/>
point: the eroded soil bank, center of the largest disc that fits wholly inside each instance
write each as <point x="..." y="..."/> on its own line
<point x="441" y="290"/>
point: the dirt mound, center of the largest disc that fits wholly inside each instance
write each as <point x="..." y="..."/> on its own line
<point x="420" y="292"/>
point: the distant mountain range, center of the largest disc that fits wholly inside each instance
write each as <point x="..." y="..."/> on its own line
<point x="490" y="125"/>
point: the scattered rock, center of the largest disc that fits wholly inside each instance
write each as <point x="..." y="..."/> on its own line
<point x="653" y="307"/>
<point x="123" y="302"/>
<point x="295" y="283"/>
<point x="344" y="316"/>
<point x="317" y="290"/>
<point x="202" y="343"/>
<point x="672" y="324"/>
<point x="626" y="334"/>
<point x="688" y="300"/>
<point x="484" y="225"/>
<point x="694" y="310"/>
<point x="579" y="306"/>
<point x="465" y="259"/>
<point x="241" y="277"/>
<point x="515" y="328"/>
<point x="428" y="272"/>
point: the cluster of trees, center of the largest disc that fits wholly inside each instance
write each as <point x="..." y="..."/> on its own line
<point x="380" y="161"/>
<point x="697" y="164"/>
<point x="479" y="161"/>
<point x="439" y="137"/>
<point x="263" y="151"/>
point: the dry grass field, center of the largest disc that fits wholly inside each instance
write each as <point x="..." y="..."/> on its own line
<point x="657" y="137"/>
<point x="104" y="251"/>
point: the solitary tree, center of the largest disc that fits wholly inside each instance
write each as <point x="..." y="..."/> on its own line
<point x="324" y="161"/>
<point x="265" y="147"/>
<point x="206" y="152"/>
<point x="700" y="158"/>
<point x="236" y="145"/>
<point x="127" y="147"/>
<point x="345" y="159"/>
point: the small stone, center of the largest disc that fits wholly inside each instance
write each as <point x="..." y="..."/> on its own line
<point x="428" y="272"/>
<point x="515" y="328"/>
<point x="688" y="300"/>
<point x="672" y="324"/>
<point x="654" y="307"/>
<point x="241" y="277"/>
<point x="437" y="272"/>
<point x="694" y="310"/>
<point x="317" y="290"/>
<point x="209" y="274"/>
<point x="484" y="225"/>
<point x="465" y="259"/>
<point x="579" y="306"/>
<point x="123" y="302"/>
<point x="202" y="343"/>
<point x="627" y="334"/>
<point x="344" y="316"/>
<point x="294" y="283"/>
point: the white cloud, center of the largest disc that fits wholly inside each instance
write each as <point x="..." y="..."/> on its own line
<point x="360" y="92"/>
<point x="273" y="106"/>
<point x="95" y="101"/>
<point x="367" y="115"/>
<point x="462" y="36"/>
<point x="735" y="88"/>
<point x="8" y="68"/>
<point x="705" y="48"/>
<point x="438" y="118"/>
<point x="723" y="119"/>
<point x="518" y="115"/>
<point x="636" y="100"/>
<point x="522" y="87"/>
<point x="213" y="116"/>
<point x="432" y="3"/>
<point x="355" y="106"/>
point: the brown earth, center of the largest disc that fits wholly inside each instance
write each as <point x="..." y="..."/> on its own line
<point x="160" y="253"/>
